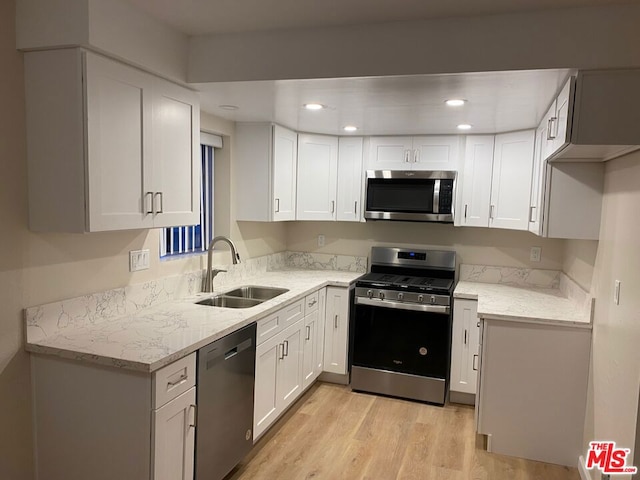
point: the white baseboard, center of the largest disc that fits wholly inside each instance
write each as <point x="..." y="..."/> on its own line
<point x="582" y="469"/>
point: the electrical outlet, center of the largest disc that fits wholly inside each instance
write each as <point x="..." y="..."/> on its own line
<point x="321" y="240"/>
<point x="616" y="292"/>
<point x="138" y="260"/>
<point x="536" y="254"/>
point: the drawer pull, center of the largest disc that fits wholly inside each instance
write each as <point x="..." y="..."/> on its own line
<point x="181" y="379"/>
<point x="475" y="363"/>
<point x="194" y="408"/>
<point x="312" y="302"/>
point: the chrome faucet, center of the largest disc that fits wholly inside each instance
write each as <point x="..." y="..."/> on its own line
<point x="207" y="281"/>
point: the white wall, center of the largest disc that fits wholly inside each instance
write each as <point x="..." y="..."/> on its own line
<point x="482" y="246"/>
<point x="579" y="258"/>
<point x="612" y="401"/>
<point x="560" y="38"/>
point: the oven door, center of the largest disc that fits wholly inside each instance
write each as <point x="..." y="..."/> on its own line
<point x="387" y="336"/>
<point x="410" y="195"/>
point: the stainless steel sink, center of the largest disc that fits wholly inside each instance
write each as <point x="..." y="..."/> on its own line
<point x="229" y="302"/>
<point x="256" y="292"/>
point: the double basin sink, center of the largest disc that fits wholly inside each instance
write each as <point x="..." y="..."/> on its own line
<point x="243" y="297"/>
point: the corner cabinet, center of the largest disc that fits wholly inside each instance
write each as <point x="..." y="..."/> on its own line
<point x="266" y="172"/>
<point x="109" y="147"/>
<point x="103" y="423"/>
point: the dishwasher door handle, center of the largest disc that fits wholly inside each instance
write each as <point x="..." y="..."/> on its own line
<point x="216" y="354"/>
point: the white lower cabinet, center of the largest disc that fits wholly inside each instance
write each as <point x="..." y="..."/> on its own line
<point x="174" y="438"/>
<point x="464" y="350"/>
<point x="310" y="349"/>
<point x="104" y="423"/>
<point x="278" y="376"/>
<point x="336" y="330"/>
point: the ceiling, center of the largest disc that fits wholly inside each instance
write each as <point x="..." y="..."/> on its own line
<point x="198" y="17"/>
<point x="496" y="102"/>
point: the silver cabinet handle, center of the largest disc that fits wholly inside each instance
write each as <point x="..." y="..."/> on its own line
<point x="161" y="209"/>
<point x="335" y="322"/>
<point x="148" y="200"/>
<point x="355" y="207"/>
<point x="333" y="206"/>
<point x="491" y="211"/>
<point x="312" y="302"/>
<point x="308" y="333"/>
<point x="407" y="156"/>
<point x="550" y="124"/>
<point x="194" y="408"/>
<point x="277" y="205"/>
<point x="416" y="156"/>
<point x="465" y="211"/>
<point x="531" y="210"/>
<point x="180" y="380"/>
<point x="286" y="348"/>
<point x="465" y="336"/>
<point x="281" y="348"/>
<point x="475" y="362"/>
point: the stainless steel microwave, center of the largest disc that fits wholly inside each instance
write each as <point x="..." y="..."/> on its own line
<point x="420" y="196"/>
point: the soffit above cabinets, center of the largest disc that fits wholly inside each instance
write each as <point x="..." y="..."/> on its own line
<point x="496" y="102"/>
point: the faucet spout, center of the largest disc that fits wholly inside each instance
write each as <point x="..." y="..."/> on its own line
<point x="207" y="281"/>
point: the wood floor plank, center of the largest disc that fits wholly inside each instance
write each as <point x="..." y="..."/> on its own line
<point x="332" y="433"/>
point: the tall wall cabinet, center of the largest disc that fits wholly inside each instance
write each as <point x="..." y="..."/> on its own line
<point x="109" y="147"/>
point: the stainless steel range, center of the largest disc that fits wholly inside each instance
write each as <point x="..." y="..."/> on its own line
<point x="401" y="325"/>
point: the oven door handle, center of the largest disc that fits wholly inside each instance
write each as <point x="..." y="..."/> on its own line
<point x="442" y="309"/>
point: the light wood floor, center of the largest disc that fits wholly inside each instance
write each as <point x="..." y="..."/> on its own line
<point x="333" y="433"/>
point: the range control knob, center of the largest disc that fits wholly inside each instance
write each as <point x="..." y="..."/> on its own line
<point x="381" y="295"/>
<point x="400" y="296"/>
<point x="420" y="298"/>
<point x="432" y="299"/>
<point x="370" y="293"/>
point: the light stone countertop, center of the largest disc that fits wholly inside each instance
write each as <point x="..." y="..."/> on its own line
<point x="160" y="334"/>
<point x="525" y="304"/>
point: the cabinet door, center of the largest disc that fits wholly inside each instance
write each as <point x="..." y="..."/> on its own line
<point x="336" y="330"/>
<point x="511" y="180"/>
<point x="317" y="177"/>
<point x="564" y="103"/>
<point x="285" y="154"/>
<point x="476" y="181"/>
<point x="390" y="153"/>
<point x="465" y="346"/>
<point x="174" y="436"/>
<point x="435" y="152"/>
<point x="350" y="179"/>
<point x="538" y="180"/>
<point x="176" y="155"/>
<point x="118" y="119"/>
<point x="266" y="407"/>
<point x="310" y="347"/>
<point x="322" y="310"/>
<point x="289" y="384"/>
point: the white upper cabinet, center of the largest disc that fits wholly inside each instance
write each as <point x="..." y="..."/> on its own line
<point x="265" y="177"/>
<point x="538" y="179"/>
<point x="285" y="159"/>
<point x="317" y="177"/>
<point x="110" y="147"/>
<point x="431" y="152"/>
<point x="476" y="181"/>
<point x="350" y="178"/>
<point x="511" y="180"/>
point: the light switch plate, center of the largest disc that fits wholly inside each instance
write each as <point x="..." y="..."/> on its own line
<point x="321" y="240"/>
<point x="138" y="260"/>
<point x="536" y="254"/>
<point x="616" y="292"/>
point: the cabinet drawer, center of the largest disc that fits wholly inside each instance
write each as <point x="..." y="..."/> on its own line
<point x="311" y="303"/>
<point x="173" y="380"/>
<point x="278" y="321"/>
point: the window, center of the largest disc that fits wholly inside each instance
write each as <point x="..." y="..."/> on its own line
<point x="176" y="241"/>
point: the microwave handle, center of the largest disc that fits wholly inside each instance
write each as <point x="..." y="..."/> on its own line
<point x="436" y="196"/>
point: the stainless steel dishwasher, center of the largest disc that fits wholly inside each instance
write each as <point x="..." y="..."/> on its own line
<point x="226" y="371"/>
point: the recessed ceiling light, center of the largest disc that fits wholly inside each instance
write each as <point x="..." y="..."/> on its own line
<point x="464" y="126"/>
<point x="455" y="102"/>
<point x="228" y="107"/>
<point x="350" y="128"/>
<point x="314" y="106"/>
